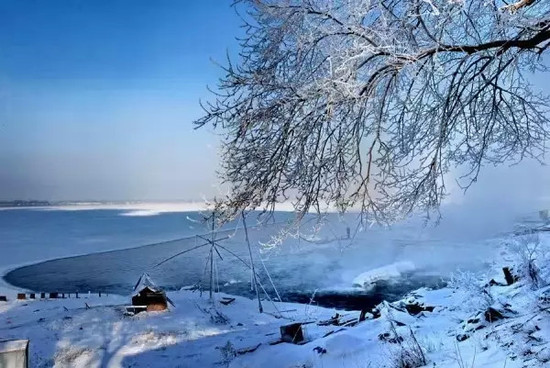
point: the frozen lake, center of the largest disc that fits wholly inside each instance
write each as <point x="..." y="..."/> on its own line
<point x="107" y="250"/>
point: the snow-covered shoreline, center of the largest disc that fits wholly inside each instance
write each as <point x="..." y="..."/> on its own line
<point x="449" y="326"/>
<point x="478" y="321"/>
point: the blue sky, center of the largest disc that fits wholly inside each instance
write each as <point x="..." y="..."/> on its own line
<point x="97" y="97"/>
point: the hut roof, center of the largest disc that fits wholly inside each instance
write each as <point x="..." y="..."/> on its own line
<point x="145" y="282"/>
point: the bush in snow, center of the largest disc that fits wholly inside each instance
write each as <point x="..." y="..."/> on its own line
<point x="216" y="316"/>
<point x="474" y="289"/>
<point x="530" y="257"/>
<point x="408" y="353"/>
<point x="228" y="352"/>
<point x="460" y="360"/>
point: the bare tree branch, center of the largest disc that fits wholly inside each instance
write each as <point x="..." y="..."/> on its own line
<point x="369" y="103"/>
<point x="512" y="8"/>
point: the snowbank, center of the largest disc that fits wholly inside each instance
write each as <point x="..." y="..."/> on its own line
<point x="387" y="272"/>
<point x="141" y="213"/>
<point x="94" y="332"/>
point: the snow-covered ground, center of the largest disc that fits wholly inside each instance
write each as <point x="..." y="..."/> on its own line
<point x="477" y="321"/>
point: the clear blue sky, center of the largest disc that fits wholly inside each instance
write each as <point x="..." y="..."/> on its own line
<point x="97" y="97"/>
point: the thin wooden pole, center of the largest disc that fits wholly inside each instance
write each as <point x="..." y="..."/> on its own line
<point x="260" y="308"/>
<point x="212" y="258"/>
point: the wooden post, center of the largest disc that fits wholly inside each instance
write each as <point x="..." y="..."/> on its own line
<point x="363" y="315"/>
<point x="212" y="257"/>
<point x="299" y="234"/>
<point x="260" y="308"/>
<point x="508" y="275"/>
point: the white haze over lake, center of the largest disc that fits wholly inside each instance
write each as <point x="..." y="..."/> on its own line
<point x="463" y="237"/>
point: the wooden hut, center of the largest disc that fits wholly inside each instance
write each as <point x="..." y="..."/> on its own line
<point x="14" y="353"/>
<point x="292" y="333"/>
<point x="147" y="296"/>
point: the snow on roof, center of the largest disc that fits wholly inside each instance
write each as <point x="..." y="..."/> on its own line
<point x="145" y="282"/>
<point x="13" y="345"/>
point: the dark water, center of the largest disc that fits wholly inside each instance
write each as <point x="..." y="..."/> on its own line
<point x="321" y="262"/>
<point x="389" y="290"/>
<point x="298" y="268"/>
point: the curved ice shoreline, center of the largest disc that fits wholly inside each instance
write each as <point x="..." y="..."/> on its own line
<point x="341" y="296"/>
<point x="302" y="266"/>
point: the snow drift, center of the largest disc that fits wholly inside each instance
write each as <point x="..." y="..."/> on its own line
<point x="366" y="279"/>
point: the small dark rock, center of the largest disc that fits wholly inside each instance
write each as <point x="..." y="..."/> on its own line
<point x="495" y="283"/>
<point x="491" y="315"/>
<point x="416" y="308"/>
<point x="320" y="350"/>
<point x="386" y="336"/>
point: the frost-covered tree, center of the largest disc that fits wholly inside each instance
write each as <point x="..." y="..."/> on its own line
<point x="369" y="103"/>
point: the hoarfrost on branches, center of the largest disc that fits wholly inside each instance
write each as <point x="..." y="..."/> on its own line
<point x="368" y="104"/>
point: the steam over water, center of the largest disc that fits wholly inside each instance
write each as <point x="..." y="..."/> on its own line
<point x="111" y="250"/>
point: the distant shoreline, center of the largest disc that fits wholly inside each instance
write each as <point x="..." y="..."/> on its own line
<point x="159" y="207"/>
<point x="139" y="207"/>
<point x="21" y="203"/>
